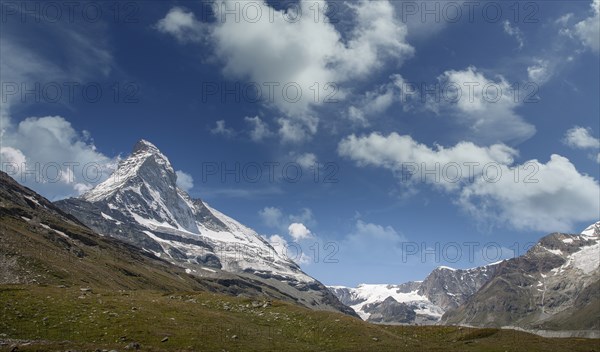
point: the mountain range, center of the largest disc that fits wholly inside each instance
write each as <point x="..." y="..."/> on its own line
<point x="553" y="289"/>
<point x="416" y="302"/>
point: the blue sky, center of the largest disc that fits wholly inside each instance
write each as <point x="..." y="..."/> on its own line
<point x="379" y="100"/>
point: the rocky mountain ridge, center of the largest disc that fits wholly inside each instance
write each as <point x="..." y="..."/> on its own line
<point x="555" y="286"/>
<point x="141" y="204"/>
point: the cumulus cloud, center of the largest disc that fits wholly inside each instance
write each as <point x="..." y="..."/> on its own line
<point x="370" y="231"/>
<point x="260" y="129"/>
<point x="275" y="218"/>
<point x="554" y="198"/>
<point x="48" y="155"/>
<point x="221" y="129"/>
<point x="303" y="55"/>
<point x="485" y="106"/>
<point x="183" y="25"/>
<point x="540" y="72"/>
<point x="298" y="231"/>
<point x="514" y="32"/>
<point x="12" y="159"/>
<point x="305" y="216"/>
<point x="271" y="216"/>
<point x="529" y="196"/>
<point x="409" y="159"/>
<point x="306" y="160"/>
<point x="185" y="181"/>
<point x="376" y="101"/>
<point x="581" y="138"/>
<point x="292" y="131"/>
<point x="588" y="30"/>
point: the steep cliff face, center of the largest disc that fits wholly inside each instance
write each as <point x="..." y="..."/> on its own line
<point x="449" y="288"/>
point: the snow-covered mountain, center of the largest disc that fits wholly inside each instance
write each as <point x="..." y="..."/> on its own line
<point x="141" y="203"/>
<point x="395" y="304"/>
<point x="554" y="286"/>
<point x="415" y="302"/>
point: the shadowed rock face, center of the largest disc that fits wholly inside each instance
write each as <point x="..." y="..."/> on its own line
<point x="141" y="204"/>
<point x="390" y="311"/>
<point x="451" y="288"/>
<point x="554" y="286"/>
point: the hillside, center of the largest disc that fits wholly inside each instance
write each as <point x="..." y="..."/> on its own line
<point x="63" y="287"/>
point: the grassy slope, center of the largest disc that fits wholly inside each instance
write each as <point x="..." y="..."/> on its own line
<point x="203" y="321"/>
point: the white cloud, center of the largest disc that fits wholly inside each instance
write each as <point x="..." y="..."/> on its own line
<point x="564" y="19"/>
<point x="555" y="198"/>
<point x="514" y="32"/>
<point x="375" y="102"/>
<point x="304" y="54"/>
<point x="305" y="216"/>
<point x="12" y="158"/>
<point x="185" y="181"/>
<point x="540" y="72"/>
<point x="292" y="131"/>
<point x="370" y="231"/>
<point x="403" y="155"/>
<point x="485" y="106"/>
<point x="221" y="129"/>
<point x="299" y="231"/>
<point x="275" y="218"/>
<point x="581" y="138"/>
<point x="271" y="216"/>
<point x="357" y="116"/>
<point x="531" y="196"/>
<point x="306" y="160"/>
<point x="183" y="25"/>
<point x="260" y="130"/>
<point x="588" y="30"/>
<point x="60" y="162"/>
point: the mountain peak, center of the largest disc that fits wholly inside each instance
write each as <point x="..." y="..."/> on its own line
<point x="145" y="165"/>
<point x="592" y="231"/>
<point x="144" y="146"/>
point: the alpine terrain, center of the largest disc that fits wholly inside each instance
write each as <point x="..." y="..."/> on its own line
<point x="416" y="302"/>
<point x="65" y="287"/>
<point x="553" y="289"/>
<point x="554" y="286"/>
<point x="141" y="204"/>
